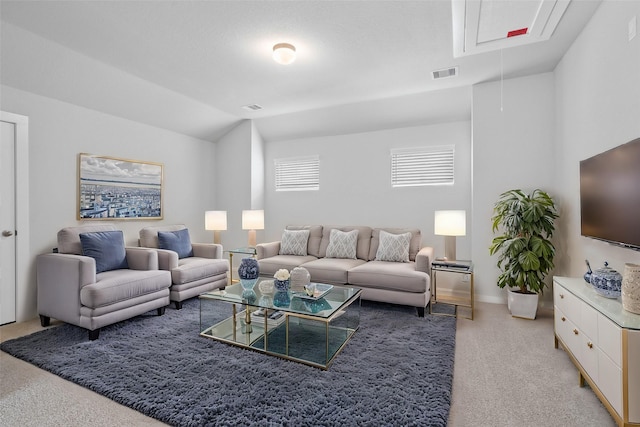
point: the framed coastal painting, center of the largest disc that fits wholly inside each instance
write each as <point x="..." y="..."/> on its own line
<point x="113" y="188"/>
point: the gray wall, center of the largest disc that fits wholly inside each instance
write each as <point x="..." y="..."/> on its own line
<point x="355" y="183"/>
<point x="512" y="148"/>
<point x="58" y="131"/>
<point x="597" y="108"/>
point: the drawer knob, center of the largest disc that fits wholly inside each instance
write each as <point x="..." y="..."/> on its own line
<point x="564" y="319"/>
<point x="590" y="344"/>
<point x="561" y="295"/>
<point x="575" y="331"/>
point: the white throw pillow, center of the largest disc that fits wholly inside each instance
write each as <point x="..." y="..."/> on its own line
<point x="393" y="247"/>
<point x="294" y="242"/>
<point x="342" y="244"/>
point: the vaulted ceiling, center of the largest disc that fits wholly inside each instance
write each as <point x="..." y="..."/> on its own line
<point x="191" y="66"/>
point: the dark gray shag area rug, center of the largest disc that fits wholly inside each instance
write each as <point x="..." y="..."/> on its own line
<point x="396" y="370"/>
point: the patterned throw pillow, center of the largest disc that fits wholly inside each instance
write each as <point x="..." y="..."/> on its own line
<point x="342" y="244"/>
<point x="294" y="242"/>
<point x="393" y="247"/>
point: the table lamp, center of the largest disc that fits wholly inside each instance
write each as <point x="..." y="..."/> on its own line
<point x="215" y="221"/>
<point x="252" y="220"/>
<point x="450" y="224"/>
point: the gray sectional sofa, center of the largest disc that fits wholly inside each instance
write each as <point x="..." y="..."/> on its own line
<point x="405" y="281"/>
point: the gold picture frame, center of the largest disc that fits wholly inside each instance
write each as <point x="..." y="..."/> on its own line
<point x="111" y="188"/>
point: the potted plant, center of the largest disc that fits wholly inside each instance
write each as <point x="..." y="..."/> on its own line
<point x="525" y="252"/>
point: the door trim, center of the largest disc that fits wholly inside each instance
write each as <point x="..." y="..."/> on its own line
<point x="25" y="288"/>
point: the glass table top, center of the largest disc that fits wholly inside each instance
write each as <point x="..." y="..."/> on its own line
<point x="292" y="302"/>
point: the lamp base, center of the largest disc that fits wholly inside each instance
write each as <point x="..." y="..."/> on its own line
<point x="216" y="236"/>
<point x="252" y="238"/>
<point x="450" y="248"/>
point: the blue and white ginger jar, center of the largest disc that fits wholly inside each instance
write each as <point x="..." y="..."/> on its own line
<point x="607" y="282"/>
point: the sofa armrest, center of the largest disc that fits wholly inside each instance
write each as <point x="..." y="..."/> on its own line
<point x="267" y="250"/>
<point x="167" y="260"/>
<point x="142" y="258"/>
<point x="207" y="250"/>
<point x="424" y="258"/>
<point x="59" y="280"/>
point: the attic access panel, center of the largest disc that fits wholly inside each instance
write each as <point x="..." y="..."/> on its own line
<point x="488" y="25"/>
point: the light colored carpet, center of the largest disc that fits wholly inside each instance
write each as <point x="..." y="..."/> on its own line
<point x="495" y="384"/>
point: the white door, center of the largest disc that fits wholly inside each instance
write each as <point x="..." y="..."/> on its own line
<point x="7" y="223"/>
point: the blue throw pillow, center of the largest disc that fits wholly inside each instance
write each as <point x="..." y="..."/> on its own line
<point x="107" y="248"/>
<point x="177" y="241"/>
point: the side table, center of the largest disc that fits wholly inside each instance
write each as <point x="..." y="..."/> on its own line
<point x="239" y="251"/>
<point x="458" y="267"/>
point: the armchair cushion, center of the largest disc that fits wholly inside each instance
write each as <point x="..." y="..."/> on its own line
<point x="107" y="248"/>
<point x="177" y="241"/>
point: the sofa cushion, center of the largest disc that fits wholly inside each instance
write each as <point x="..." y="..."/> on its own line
<point x="364" y="240"/>
<point x="191" y="269"/>
<point x="268" y="266"/>
<point x="177" y="241"/>
<point x="342" y="244"/>
<point x="107" y="248"/>
<point x="121" y="285"/>
<point x="394" y="276"/>
<point x="414" y="246"/>
<point x="331" y="270"/>
<point x="294" y="242"/>
<point x="393" y="247"/>
<point x="315" y="237"/>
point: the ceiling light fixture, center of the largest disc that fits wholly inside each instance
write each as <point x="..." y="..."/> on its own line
<point x="284" y="53"/>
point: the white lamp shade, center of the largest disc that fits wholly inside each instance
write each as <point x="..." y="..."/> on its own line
<point x="450" y="223"/>
<point x="215" y="220"/>
<point x="284" y="53"/>
<point x="253" y="220"/>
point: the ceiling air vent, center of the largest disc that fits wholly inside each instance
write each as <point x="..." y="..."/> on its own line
<point x="252" y="107"/>
<point x="447" y="72"/>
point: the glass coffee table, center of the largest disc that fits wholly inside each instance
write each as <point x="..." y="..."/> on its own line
<point x="290" y="325"/>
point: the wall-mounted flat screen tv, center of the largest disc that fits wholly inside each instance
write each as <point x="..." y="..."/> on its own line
<point x="610" y="195"/>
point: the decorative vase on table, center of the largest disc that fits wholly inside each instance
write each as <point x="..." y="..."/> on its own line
<point x="281" y="280"/>
<point x="607" y="282"/>
<point x="300" y="278"/>
<point x="248" y="272"/>
<point x="631" y="288"/>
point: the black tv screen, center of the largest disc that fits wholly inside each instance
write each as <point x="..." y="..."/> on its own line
<point x="610" y="195"/>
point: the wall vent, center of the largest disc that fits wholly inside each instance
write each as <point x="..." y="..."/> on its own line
<point x="252" y="107"/>
<point x="447" y="72"/>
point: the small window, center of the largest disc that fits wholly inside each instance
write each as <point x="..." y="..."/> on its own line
<point x="298" y="174"/>
<point x="422" y="166"/>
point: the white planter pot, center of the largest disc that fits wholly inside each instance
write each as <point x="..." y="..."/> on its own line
<point x="522" y="305"/>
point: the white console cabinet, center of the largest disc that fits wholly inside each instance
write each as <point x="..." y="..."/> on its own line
<point x="603" y="341"/>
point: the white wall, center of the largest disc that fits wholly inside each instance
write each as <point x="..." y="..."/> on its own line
<point x="58" y="131"/>
<point x="512" y="148"/>
<point x="598" y="108"/>
<point x="355" y="183"/>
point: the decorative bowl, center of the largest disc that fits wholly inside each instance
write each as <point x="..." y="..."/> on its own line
<point x="607" y="282"/>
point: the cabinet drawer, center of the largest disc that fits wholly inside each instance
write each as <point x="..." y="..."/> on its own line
<point x="588" y="322"/>
<point x="588" y="357"/>
<point x="610" y="380"/>
<point x="610" y="339"/>
<point x="567" y="302"/>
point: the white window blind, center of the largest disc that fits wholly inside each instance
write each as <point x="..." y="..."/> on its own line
<point x="298" y="174"/>
<point x="422" y="166"/>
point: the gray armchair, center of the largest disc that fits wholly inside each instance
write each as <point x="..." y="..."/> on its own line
<point x="195" y="267"/>
<point x="86" y="291"/>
